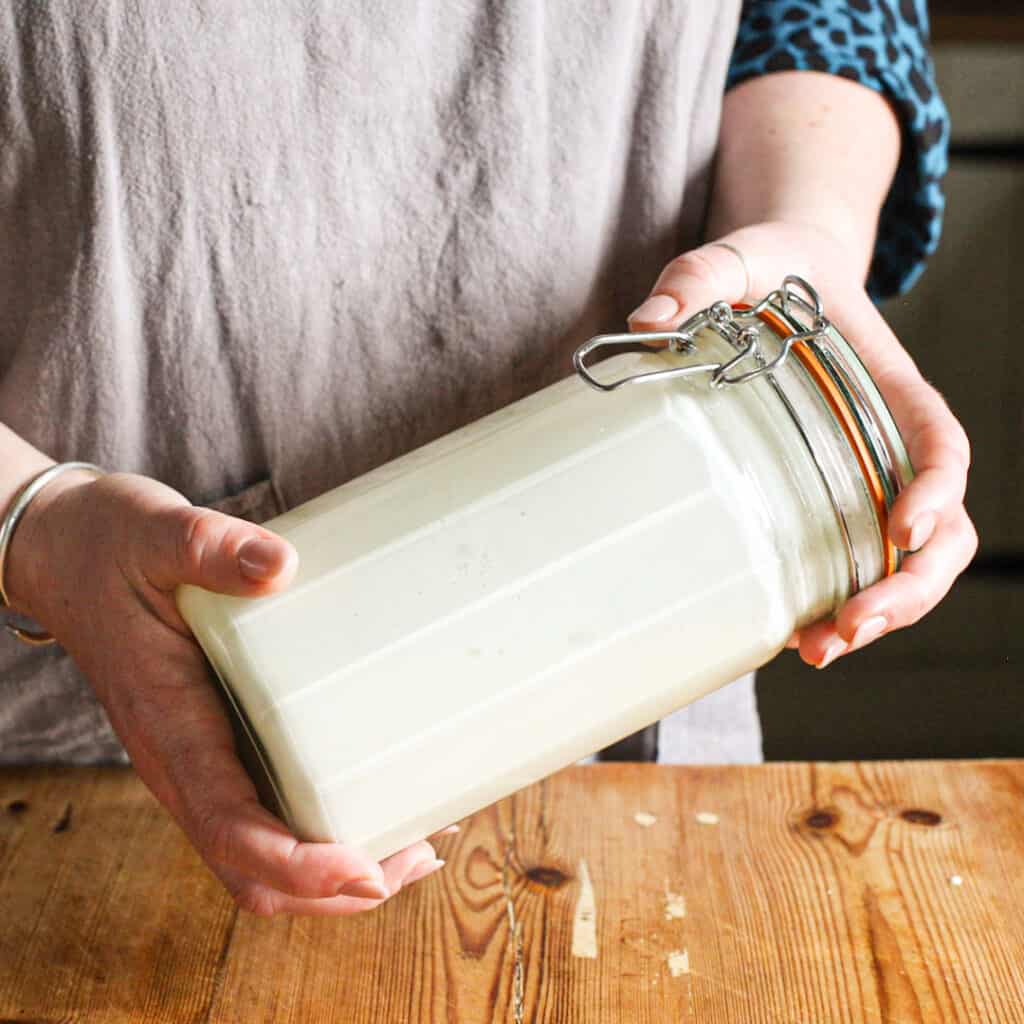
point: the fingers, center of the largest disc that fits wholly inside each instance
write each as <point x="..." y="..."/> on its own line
<point x="216" y="804"/>
<point x="248" y="838"/>
<point x="914" y="518"/>
<point x="411" y="865"/>
<point x="186" y="544"/>
<point x="928" y="517"/>
<point x="941" y="456"/>
<point x="689" y="283"/>
<point x="182" y="747"/>
<point x="226" y="823"/>
<point x="264" y="901"/>
<point x="899" y="600"/>
<point x="921" y="583"/>
<point x="449" y="831"/>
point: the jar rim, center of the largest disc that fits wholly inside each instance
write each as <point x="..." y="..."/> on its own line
<point x="859" y="408"/>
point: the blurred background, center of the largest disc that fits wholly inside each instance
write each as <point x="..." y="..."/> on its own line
<point x="952" y="686"/>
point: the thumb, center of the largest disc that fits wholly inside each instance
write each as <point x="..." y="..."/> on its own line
<point x="692" y="282"/>
<point x="186" y="544"/>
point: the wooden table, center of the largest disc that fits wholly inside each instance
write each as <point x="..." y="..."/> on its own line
<point x="633" y="893"/>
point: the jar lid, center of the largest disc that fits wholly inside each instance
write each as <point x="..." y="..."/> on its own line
<point x="797" y="324"/>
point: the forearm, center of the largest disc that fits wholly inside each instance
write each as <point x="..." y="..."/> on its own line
<point x="805" y="148"/>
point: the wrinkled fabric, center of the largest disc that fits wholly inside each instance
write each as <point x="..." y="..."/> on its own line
<point x="275" y="244"/>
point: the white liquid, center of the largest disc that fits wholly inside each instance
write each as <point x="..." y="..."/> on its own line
<point x="496" y="605"/>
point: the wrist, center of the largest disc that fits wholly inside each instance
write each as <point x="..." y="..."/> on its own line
<point x="850" y="244"/>
<point x="796" y="245"/>
<point x="26" y="575"/>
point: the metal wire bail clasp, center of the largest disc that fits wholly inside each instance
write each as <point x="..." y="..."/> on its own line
<point x="740" y="327"/>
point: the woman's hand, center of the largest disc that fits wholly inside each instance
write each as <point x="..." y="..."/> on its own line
<point x="929" y="517"/>
<point x="96" y="562"/>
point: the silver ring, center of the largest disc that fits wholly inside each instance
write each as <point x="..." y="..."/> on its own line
<point x="743" y="263"/>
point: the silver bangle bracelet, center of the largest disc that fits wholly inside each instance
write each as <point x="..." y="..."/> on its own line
<point x="9" y="523"/>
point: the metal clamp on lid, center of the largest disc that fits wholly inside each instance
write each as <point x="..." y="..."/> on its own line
<point x="737" y="326"/>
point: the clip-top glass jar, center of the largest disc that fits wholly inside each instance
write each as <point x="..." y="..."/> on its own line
<point x="501" y="602"/>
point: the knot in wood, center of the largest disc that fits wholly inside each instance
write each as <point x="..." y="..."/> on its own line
<point x="917" y="816"/>
<point x="820" y="819"/>
<point x="549" y="877"/>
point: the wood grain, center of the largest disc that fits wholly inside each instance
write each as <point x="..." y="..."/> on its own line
<point x="819" y="893"/>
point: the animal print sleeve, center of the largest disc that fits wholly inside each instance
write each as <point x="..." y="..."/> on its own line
<point x="882" y="44"/>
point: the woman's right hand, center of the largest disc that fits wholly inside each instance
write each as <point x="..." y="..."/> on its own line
<point x="96" y="563"/>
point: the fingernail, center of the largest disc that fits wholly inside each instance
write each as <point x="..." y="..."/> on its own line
<point x="449" y="831"/>
<point x="868" y="630"/>
<point x="921" y="531"/>
<point x="259" y="559"/>
<point x="365" y="889"/>
<point x="655" y="309"/>
<point x="424" y="868"/>
<point x="832" y="652"/>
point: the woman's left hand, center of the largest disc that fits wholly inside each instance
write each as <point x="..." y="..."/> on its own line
<point x="928" y="517"/>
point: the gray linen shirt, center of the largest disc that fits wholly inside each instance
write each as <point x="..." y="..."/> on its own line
<point x="255" y="248"/>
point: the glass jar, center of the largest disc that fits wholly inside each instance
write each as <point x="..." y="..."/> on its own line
<point x="532" y="587"/>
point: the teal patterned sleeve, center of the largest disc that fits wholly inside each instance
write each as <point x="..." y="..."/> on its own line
<point x="882" y="44"/>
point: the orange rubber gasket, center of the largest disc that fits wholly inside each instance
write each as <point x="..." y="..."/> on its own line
<point x="840" y="407"/>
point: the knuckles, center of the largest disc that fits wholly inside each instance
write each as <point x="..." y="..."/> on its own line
<point x="960" y="444"/>
<point x="201" y="532"/>
<point x="919" y="606"/>
<point x="695" y="265"/>
<point x="971" y="539"/>
<point x="955" y="438"/>
<point x="216" y="836"/>
<point x="964" y="444"/>
<point x="255" y="899"/>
